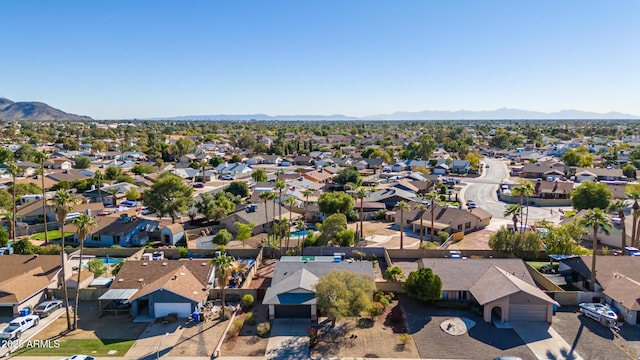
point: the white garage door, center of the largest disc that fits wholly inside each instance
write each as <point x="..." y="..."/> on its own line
<point x="528" y="313"/>
<point x="163" y="309"/>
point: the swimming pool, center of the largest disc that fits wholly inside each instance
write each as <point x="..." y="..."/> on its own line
<point x="106" y="261"/>
<point x="299" y="233"/>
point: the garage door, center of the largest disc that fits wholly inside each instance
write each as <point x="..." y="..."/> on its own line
<point x="293" y="311"/>
<point x="163" y="309"/>
<point x="6" y="311"/>
<point x="528" y="313"/>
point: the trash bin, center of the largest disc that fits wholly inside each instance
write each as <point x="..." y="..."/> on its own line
<point x="196" y="316"/>
<point x="25" y="311"/>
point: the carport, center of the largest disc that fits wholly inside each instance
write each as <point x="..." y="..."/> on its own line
<point x="115" y="301"/>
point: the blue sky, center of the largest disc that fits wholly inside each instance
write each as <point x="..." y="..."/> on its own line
<point x="137" y="59"/>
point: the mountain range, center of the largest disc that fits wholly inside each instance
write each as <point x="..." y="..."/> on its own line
<point x="31" y="110"/>
<point x="499" y="114"/>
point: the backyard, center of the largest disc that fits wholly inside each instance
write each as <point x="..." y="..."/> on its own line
<point x="53" y="235"/>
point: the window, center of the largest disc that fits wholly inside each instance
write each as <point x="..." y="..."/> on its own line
<point x="462" y="295"/>
<point x="95" y="237"/>
<point x="467" y="225"/>
<point x="459" y="226"/>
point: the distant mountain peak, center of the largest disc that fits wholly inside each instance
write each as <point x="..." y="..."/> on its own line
<point x="34" y="110"/>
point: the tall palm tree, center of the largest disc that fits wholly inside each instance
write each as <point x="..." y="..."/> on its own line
<point x="300" y="224"/>
<point x="432" y="196"/>
<point x="523" y="189"/>
<point x="421" y="208"/>
<point x="84" y="224"/>
<point x="280" y="185"/>
<point x="618" y="206"/>
<point x="597" y="220"/>
<point x="99" y="176"/>
<point x="41" y="157"/>
<point x="62" y="203"/>
<point x="265" y="197"/>
<point x="306" y="193"/>
<point x="635" y="196"/>
<point x="290" y="201"/>
<point x="513" y="210"/>
<point x="14" y="171"/>
<point x="223" y="264"/>
<point x="402" y="206"/>
<point x="113" y="191"/>
<point x="361" y="193"/>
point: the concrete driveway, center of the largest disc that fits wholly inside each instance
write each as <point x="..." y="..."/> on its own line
<point x="44" y="322"/>
<point x="156" y="339"/>
<point x="288" y="339"/>
<point x="544" y="341"/>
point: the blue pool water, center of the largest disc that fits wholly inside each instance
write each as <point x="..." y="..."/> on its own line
<point x="301" y="233"/>
<point x="110" y="261"/>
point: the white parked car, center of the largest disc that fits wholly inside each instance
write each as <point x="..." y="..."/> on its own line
<point x="80" y="357"/>
<point x="18" y="326"/>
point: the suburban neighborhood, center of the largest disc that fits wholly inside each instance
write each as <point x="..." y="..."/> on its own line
<point x="296" y="240"/>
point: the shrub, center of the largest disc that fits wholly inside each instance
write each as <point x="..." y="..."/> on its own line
<point x="394" y="273"/>
<point x="183" y="251"/>
<point x="50" y="250"/>
<point x="247" y="301"/>
<point x="382" y="298"/>
<point x="313" y="336"/>
<point x="404" y="338"/>
<point x="379" y="215"/>
<point x="376" y="308"/>
<point x="250" y="318"/>
<point x="235" y="328"/>
<point x="429" y="245"/>
<point x="263" y="329"/>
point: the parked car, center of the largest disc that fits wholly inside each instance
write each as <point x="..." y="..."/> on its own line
<point x="18" y="326"/>
<point x="198" y="185"/>
<point x="226" y="177"/>
<point x="45" y="309"/>
<point x="80" y="357"/>
<point x="471" y="204"/>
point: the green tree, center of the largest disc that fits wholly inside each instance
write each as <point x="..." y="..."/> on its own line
<point x="97" y="267"/>
<point x="222" y="237"/>
<point x="112" y="172"/>
<point x="590" y="195"/>
<point x="361" y="193"/>
<point x="330" y="228"/>
<point x="238" y="188"/>
<point x="335" y="202"/>
<point x="629" y="171"/>
<point x="432" y="196"/>
<point x="424" y="285"/>
<point x="634" y="194"/>
<point x="597" y="220"/>
<point x="132" y="194"/>
<point x="81" y="162"/>
<point x="41" y="157"/>
<point x="183" y="147"/>
<point x="345" y="237"/>
<point x="14" y="171"/>
<point x="514" y="211"/>
<point x="140" y="169"/>
<point x="524" y="189"/>
<point x="223" y="265"/>
<point x="279" y="186"/>
<point x="24" y="247"/>
<point x="349" y="175"/>
<point x="341" y="293"/>
<point x="84" y="224"/>
<point x="215" y="207"/>
<point x="402" y="206"/>
<point x="259" y="175"/>
<point x="422" y="208"/>
<point x="245" y="231"/>
<point x="4" y="238"/>
<point x="289" y="201"/>
<point x="618" y="207"/>
<point x="394" y="273"/>
<point x="62" y="204"/>
<point x="169" y="196"/>
<point x="571" y="158"/>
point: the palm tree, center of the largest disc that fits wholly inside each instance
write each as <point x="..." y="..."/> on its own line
<point x="635" y="196"/>
<point x="113" y="191"/>
<point x="432" y="196"/>
<point x="223" y="264"/>
<point x="290" y="201"/>
<point x="301" y="227"/>
<point x="62" y="203"/>
<point x="280" y="185"/>
<point x="203" y="167"/>
<point x="402" y="206"/>
<point x="524" y="189"/>
<point x="265" y="196"/>
<point x="41" y="157"/>
<point x="306" y="193"/>
<point x="99" y="176"/>
<point x="513" y="210"/>
<point x="14" y="171"/>
<point x="618" y="206"/>
<point x="597" y="220"/>
<point x="84" y="224"/>
<point x="421" y="208"/>
<point x="361" y="193"/>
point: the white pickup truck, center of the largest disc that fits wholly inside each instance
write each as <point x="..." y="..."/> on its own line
<point x="18" y="326"/>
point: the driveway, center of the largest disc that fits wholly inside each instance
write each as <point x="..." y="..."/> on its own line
<point x="288" y="339"/>
<point x="44" y="322"/>
<point x="156" y="339"/>
<point x="592" y="340"/>
<point x="482" y="341"/>
<point x="544" y="341"/>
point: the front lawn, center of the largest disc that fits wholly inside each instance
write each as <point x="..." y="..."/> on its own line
<point x="537" y="264"/>
<point x="52" y="235"/>
<point x="93" y="347"/>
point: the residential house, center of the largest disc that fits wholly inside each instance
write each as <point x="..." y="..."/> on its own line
<point x="234" y="169"/>
<point x="259" y="214"/>
<point x="125" y="231"/>
<point x="600" y="174"/>
<point x="460" y="166"/>
<point x="543" y="170"/>
<point x="156" y="289"/>
<point x="319" y="176"/>
<point x="25" y="279"/>
<point x="447" y="219"/>
<point x="58" y="163"/>
<point x="391" y="196"/>
<point x="28" y="168"/>
<point x="617" y="281"/>
<point x="502" y="287"/>
<point x="415" y="164"/>
<point x="291" y="293"/>
<point x="552" y="190"/>
<point x="70" y="175"/>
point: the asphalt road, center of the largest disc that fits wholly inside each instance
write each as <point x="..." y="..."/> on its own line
<point x="10" y="346"/>
<point x="482" y="190"/>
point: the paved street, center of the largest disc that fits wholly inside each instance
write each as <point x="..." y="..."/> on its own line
<point x="4" y="351"/>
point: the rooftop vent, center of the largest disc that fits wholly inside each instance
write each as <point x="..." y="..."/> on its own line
<point x="181" y="274"/>
<point x="204" y="264"/>
<point x="174" y="277"/>
<point x="164" y="264"/>
<point x="145" y="264"/>
<point x="120" y="280"/>
<point x="140" y="280"/>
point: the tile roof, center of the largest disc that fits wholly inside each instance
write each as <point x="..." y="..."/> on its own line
<point x="496" y="283"/>
<point x="133" y="270"/>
